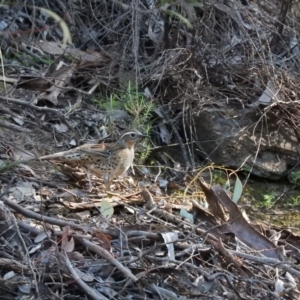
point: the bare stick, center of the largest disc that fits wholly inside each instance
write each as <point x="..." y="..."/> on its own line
<point x="88" y="290"/>
<point x="14" y="265"/>
<point x="268" y="261"/>
<point x="13" y="127"/>
<point x="105" y="254"/>
<point x="182" y="146"/>
<point x="25" y="103"/>
<point x="33" y="215"/>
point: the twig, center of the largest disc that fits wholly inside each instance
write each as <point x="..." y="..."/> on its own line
<point x="33" y="215"/>
<point x="29" y="229"/>
<point x="267" y="261"/>
<point x="63" y="8"/>
<point x="14" y="265"/>
<point x="184" y="152"/>
<point x="38" y="108"/>
<point x="54" y="184"/>
<point x="105" y="254"/>
<point x="285" y="6"/>
<point x="53" y="221"/>
<point x="170" y="218"/>
<point x="88" y="290"/>
<point x="145" y="11"/>
<point x="35" y="231"/>
<point x="13" y="127"/>
<point x="32" y="268"/>
<point x="8" y="111"/>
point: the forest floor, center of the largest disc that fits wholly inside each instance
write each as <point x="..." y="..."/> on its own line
<point x="161" y="231"/>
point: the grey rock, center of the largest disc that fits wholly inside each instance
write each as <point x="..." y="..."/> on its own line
<point x="267" y="144"/>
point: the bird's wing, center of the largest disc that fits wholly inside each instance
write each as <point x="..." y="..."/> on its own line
<point x="103" y="150"/>
<point x="102" y="153"/>
<point x="73" y="153"/>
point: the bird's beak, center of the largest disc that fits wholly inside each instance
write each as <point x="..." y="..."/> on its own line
<point x="143" y="136"/>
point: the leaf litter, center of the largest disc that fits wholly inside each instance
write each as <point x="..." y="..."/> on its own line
<point x="60" y="241"/>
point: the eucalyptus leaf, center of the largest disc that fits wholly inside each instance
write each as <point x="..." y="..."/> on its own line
<point x="106" y="209"/>
<point x="183" y="213"/>
<point x="170" y="238"/>
<point x="238" y="189"/>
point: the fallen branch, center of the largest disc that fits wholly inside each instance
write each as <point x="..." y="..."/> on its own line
<point x="14" y="265"/>
<point x="267" y="261"/>
<point x="105" y="254"/>
<point x="88" y="290"/>
<point x="39" y="217"/>
<point x="13" y="127"/>
<point x="25" y="103"/>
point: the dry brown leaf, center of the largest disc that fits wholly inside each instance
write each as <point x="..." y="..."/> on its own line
<point x="103" y="239"/>
<point x="76" y="256"/>
<point x="67" y="242"/>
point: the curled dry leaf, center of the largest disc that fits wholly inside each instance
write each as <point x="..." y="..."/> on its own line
<point x="103" y="239"/>
<point x="242" y="229"/>
<point x="42" y="235"/>
<point x="170" y="238"/>
<point x="67" y="242"/>
<point x="35" y="248"/>
<point x="9" y="275"/>
<point x="76" y="257"/>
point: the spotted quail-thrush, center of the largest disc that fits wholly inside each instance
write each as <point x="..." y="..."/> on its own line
<point x="105" y="159"/>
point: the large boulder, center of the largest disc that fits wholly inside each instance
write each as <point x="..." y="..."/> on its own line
<point x="264" y="142"/>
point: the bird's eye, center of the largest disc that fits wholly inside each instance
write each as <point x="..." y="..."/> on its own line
<point x="132" y="135"/>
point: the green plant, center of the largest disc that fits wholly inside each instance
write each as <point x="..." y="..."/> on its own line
<point x="138" y="106"/>
<point x="246" y="168"/>
<point x="112" y="104"/>
<point x="292" y="201"/>
<point x="268" y="200"/>
<point x="219" y="177"/>
<point x="296" y="200"/>
<point x="6" y="165"/>
<point x="31" y="60"/>
<point x="294" y="178"/>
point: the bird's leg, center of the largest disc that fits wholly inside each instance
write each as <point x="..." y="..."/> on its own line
<point x="107" y="185"/>
<point x="108" y="178"/>
<point x="132" y="169"/>
<point x="90" y="180"/>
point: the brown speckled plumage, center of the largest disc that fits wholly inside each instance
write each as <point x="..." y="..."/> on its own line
<point x="110" y="159"/>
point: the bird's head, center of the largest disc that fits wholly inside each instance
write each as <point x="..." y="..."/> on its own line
<point x="129" y="138"/>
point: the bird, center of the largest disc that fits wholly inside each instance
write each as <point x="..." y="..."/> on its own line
<point x="103" y="159"/>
